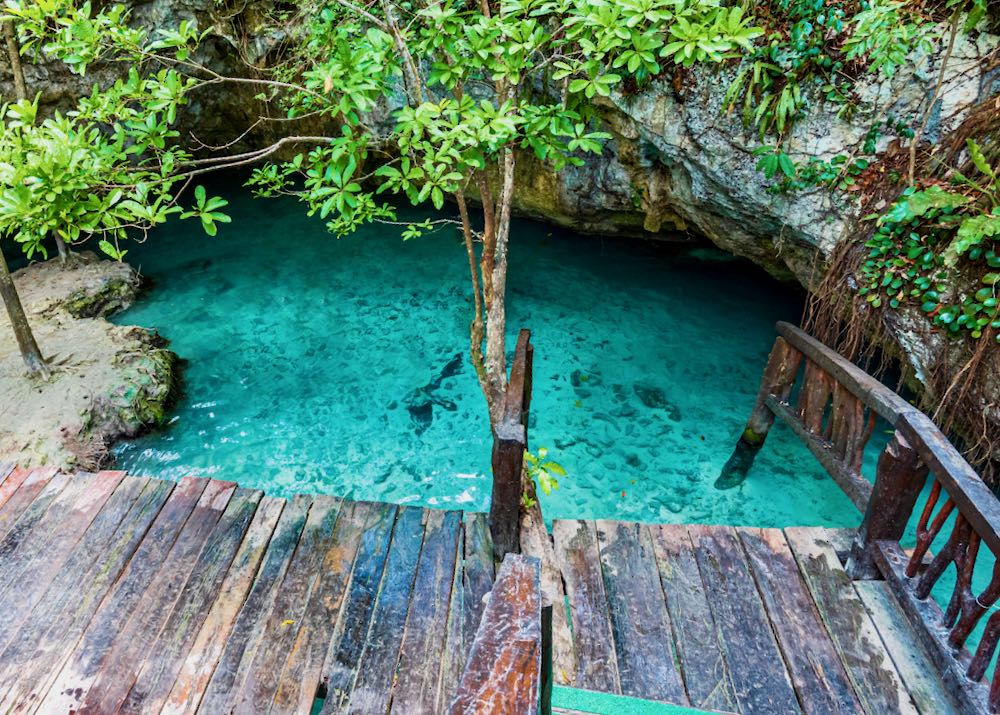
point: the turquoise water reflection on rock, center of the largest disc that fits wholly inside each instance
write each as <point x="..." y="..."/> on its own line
<point x="339" y="366"/>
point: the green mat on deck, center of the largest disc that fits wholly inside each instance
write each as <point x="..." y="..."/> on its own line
<point x="588" y="701"/>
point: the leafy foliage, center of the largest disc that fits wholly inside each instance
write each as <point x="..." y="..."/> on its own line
<point x="939" y="247"/>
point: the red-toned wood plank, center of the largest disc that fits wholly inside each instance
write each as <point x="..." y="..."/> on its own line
<point x="12" y="483"/>
<point x="502" y="676"/>
<point x="156" y="679"/>
<point x="102" y="555"/>
<point x="225" y="686"/>
<point x="82" y="667"/>
<point x="49" y="544"/>
<point x="136" y="642"/>
<point x="304" y="666"/>
<point x="206" y="651"/>
<point x="34" y="487"/>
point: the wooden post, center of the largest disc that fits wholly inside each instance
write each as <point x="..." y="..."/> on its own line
<point x="510" y="439"/>
<point x="898" y="481"/>
<point x="779" y="375"/>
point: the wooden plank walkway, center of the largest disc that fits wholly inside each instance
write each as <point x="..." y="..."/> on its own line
<point x="126" y="594"/>
<point x="737" y="620"/>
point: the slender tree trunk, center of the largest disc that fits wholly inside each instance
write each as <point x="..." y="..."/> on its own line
<point x="64" y="252"/>
<point x="19" y="321"/>
<point x="496" y="317"/>
<point x="14" y="56"/>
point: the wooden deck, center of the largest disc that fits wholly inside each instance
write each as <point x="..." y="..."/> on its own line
<point x="736" y="620"/>
<point x="142" y="595"/>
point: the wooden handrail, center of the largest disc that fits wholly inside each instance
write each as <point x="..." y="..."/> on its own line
<point x="510" y="440"/>
<point x="503" y="675"/>
<point x="834" y="414"/>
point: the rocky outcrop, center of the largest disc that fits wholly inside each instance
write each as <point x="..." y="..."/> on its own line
<point x="108" y="381"/>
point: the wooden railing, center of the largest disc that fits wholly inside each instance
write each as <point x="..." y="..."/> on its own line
<point x="510" y="439"/>
<point x="505" y="670"/>
<point x="834" y="414"/>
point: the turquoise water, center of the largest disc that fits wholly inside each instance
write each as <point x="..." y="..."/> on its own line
<point x="339" y="366"/>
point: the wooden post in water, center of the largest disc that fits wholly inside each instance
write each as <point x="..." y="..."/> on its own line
<point x="899" y="478"/>
<point x="510" y="439"/>
<point x="782" y="365"/>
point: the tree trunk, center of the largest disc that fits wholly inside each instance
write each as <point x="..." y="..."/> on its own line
<point x="63" y="251"/>
<point x="14" y="56"/>
<point x="496" y="316"/>
<point x="19" y="321"/>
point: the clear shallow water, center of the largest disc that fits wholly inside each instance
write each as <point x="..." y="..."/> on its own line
<point x="339" y="366"/>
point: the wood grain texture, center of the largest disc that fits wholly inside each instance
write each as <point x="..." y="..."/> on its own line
<point x="263" y="672"/>
<point x="504" y="668"/>
<point x="204" y="654"/>
<point x="24" y="497"/>
<point x="155" y="680"/>
<point x="419" y="677"/>
<point x="926" y="619"/>
<point x="304" y="665"/>
<point x="640" y="623"/>
<point x="876" y="681"/>
<point x="760" y="679"/>
<point x="819" y="678"/>
<point x="917" y="670"/>
<point x="706" y="675"/>
<point x="377" y="664"/>
<point x="123" y="661"/>
<point x="225" y="686"/>
<point x="579" y="560"/>
<point x="344" y="650"/>
<point x="11" y="483"/>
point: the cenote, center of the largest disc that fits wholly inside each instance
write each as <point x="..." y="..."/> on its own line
<point x="339" y="366"/>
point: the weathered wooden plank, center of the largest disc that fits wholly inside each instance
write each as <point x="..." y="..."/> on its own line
<point x="820" y="681"/>
<point x="26" y="506"/>
<point x="535" y="542"/>
<point x="263" y="672"/>
<point x="11" y="484"/>
<point x="706" y="676"/>
<point x="153" y="684"/>
<point x="419" y="676"/>
<point x="919" y="674"/>
<point x="761" y="683"/>
<point x="50" y="543"/>
<point x="63" y="611"/>
<point x="5" y="470"/>
<point x="377" y="664"/>
<point x="454" y="654"/>
<point x="503" y="673"/>
<point x="640" y="623"/>
<point x="82" y="666"/>
<point x="224" y="686"/>
<point x="123" y="662"/>
<point x="580" y="562"/>
<point x="205" y="652"/>
<point x="477" y="576"/>
<point x="304" y="666"/>
<point x="927" y="621"/>
<point x="341" y="661"/>
<point x="876" y="681"/>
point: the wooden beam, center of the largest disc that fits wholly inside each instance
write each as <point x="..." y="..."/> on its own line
<point x="856" y="487"/>
<point x="503" y="673"/>
<point x="928" y="622"/>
